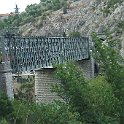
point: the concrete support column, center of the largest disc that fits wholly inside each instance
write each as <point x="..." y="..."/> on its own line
<point x="44" y="79"/>
<point x="6" y="84"/>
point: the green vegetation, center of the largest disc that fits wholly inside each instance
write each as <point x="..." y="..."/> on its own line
<point x="6" y="107"/>
<point x="121" y="24"/>
<point x="74" y="89"/>
<point x="25" y="92"/>
<point x="96" y="101"/>
<point x="74" y="34"/>
<point x="93" y="100"/>
<point x="33" y="12"/>
<point x="111" y="5"/>
<point x="102" y="97"/>
<point x="57" y="113"/>
<point x="3" y="121"/>
<point x="31" y="113"/>
<point x="113" y="70"/>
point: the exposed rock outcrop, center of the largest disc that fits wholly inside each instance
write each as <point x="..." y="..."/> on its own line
<point x="84" y="16"/>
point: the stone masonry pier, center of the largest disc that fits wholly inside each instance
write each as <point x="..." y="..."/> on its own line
<point x="6" y="84"/>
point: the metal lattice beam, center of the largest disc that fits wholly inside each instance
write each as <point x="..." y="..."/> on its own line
<point x="30" y="53"/>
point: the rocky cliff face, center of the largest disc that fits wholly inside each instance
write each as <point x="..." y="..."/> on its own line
<point x="84" y="16"/>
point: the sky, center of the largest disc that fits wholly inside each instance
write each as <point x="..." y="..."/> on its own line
<point x="7" y="6"/>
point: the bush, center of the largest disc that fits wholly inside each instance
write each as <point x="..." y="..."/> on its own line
<point x="74" y="34"/>
<point x="55" y="113"/>
<point x="3" y="121"/>
<point x="6" y="107"/>
<point x="102" y="96"/>
<point x="74" y="90"/>
<point x="32" y="11"/>
<point x="113" y="70"/>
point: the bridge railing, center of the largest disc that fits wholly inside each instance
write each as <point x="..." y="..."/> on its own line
<point x="5" y="35"/>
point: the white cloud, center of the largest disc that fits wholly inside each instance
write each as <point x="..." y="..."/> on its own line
<point x="7" y="6"/>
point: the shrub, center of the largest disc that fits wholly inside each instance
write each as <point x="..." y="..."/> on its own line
<point x="54" y="113"/>
<point x="102" y="96"/>
<point x="74" y="34"/>
<point x="6" y="107"/>
<point x="121" y="24"/>
<point x="3" y="121"/>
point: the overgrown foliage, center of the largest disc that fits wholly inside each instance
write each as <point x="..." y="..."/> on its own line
<point x="33" y="12"/>
<point x="25" y="92"/>
<point x="57" y="113"/>
<point x="74" y="34"/>
<point x="31" y="113"/>
<point x="111" y="5"/>
<point x="6" y="107"/>
<point x="73" y="88"/>
<point x="113" y="70"/>
<point x="96" y="101"/>
<point x="102" y="97"/>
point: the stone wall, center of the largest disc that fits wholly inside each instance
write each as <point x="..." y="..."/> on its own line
<point x="44" y="79"/>
<point x="6" y="84"/>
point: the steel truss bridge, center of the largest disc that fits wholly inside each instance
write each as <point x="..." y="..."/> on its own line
<point x="33" y="53"/>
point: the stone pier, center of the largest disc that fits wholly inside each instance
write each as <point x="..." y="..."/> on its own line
<point x="44" y="79"/>
<point x="6" y="84"/>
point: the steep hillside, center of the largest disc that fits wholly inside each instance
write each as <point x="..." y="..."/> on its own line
<point x="84" y="16"/>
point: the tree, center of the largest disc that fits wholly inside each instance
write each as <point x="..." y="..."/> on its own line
<point x="103" y="100"/>
<point x="112" y="68"/>
<point x="74" y="89"/>
<point x="3" y="121"/>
